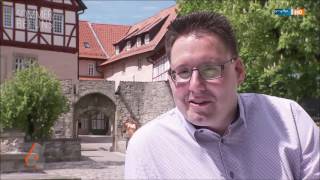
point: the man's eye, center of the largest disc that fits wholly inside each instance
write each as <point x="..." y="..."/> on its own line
<point x="184" y="74"/>
<point x="210" y="72"/>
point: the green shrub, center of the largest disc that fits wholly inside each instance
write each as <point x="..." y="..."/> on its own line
<point x="32" y="101"/>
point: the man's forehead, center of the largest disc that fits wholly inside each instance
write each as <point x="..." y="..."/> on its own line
<point x="215" y="46"/>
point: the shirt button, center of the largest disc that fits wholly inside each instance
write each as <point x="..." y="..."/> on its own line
<point x="201" y="131"/>
<point x="231" y="175"/>
<point x="221" y="140"/>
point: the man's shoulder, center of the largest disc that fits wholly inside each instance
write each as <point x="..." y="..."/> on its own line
<point x="263" y="99"/>
<point x="156" y="127"/>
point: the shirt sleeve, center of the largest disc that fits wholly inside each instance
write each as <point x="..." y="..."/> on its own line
<point x="308" y="133"/>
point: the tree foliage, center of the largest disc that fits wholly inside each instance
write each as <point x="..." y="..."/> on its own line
<point x="32" y="101"/>
<point x="281" y="54"/>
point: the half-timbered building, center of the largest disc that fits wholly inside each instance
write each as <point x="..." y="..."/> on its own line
<point x="42" y="31"/>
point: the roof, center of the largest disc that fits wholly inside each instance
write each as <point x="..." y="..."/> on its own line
<point x="82" y="5"/>
<point x="87" y="35"/>
<point x="166" y="15"/>
<point x="108" y="34"/>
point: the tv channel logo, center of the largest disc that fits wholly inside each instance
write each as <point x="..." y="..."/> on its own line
<point x="289" y="12"/>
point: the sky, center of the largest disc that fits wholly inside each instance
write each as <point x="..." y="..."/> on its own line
<point x="126" y="12"/>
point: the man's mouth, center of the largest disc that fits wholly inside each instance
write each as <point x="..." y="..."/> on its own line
<point x="198" y="102"/>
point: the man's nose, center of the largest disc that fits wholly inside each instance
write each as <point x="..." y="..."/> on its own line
<point x="197" y="83"/>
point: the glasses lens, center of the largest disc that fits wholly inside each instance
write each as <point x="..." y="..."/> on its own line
<point x="210" y="71"/>
<point x="184" y="74"/>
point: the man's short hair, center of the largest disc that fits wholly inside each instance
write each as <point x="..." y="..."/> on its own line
<point x="201" y="23"/>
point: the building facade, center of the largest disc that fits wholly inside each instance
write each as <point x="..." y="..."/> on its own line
<point x="140" y="54"/>
<point x="44" y="31"/>
<point x="91" y="60"/>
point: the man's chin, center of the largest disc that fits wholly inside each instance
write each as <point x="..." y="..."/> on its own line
<point x="197" y="118"/>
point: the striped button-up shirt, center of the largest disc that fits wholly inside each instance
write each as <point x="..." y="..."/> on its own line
<point x="273" y="138"/>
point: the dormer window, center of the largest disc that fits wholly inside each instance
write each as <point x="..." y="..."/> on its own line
<point x="128" y="47"/>
<point x="147" y="39"/>
<point x="117" y="50"/>
<point x="86" y="45"/>
<point x="138" y="41"/>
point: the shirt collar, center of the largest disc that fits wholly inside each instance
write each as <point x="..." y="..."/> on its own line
<point x="241" y="120"/>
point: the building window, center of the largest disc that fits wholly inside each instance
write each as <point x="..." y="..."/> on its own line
<point x="139" y="64"/>
<point x="83" y="123"/>
<point x="22" y="62"/>
<point x="138" y="41"/>
<point x="160" y="69"/>
<point x="98" y="121"/>
<point x="86" y="45"/>
<point x="32" y="19"/>
<point x="58" y="23"/>
<point x="91" y="69"/>
<point x="123" y="68"/>
<point x="8" y="16"/>
<point x="147" y="39"/>
<point x="128" y="47"/>
<point x="117" y="50"/>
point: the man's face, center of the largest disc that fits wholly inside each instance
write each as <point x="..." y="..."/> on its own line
<point x="211" y="102"/>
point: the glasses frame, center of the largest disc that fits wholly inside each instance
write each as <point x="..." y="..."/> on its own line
<point x="222" y="67"/>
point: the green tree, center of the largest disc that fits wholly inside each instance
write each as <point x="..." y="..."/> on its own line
<point x="32" y="101"/>
<point x="281" y="54"/>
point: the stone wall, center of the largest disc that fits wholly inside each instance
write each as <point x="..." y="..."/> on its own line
<point x="56" y="150"/>
<point x="143" y="101"/>
<point x="63" y="126"/>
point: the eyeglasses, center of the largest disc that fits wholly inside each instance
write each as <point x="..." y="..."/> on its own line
<point x="206" y="71"/>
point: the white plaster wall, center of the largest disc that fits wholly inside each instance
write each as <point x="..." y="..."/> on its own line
<point x="113" y="72"/>
<point x="84" y="68"/>
<point x="20" y="36"/>
<point x="70" y="17"/>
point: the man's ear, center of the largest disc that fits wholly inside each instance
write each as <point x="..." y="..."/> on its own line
<point x="240" y="70"/>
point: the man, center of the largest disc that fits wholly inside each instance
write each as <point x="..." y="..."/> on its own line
<point x="129" y="127"/>
<point x="215" y="133"/>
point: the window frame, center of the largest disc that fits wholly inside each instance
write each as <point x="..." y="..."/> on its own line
<point x="56" y="22"/>
<point x="128" y="45"/>
<point x="117" y="49"/>
<point x="23" y="61"/>
<point x="160" y="68"/>
<point x="147" y="38"/>
<point x="35" y="19"/>
<point x="123" y="68"/>
<point x="139" y="64"/>
<point x="91" y="69"/>
<point x="86" y="44"/>
<point x="4" y="16"/>
<point x="138" y="41"/>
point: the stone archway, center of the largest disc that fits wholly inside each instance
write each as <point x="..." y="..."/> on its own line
<point x="94" y="114"/>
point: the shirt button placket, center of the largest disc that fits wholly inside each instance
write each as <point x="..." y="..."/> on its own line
<point x="231" y="174"/>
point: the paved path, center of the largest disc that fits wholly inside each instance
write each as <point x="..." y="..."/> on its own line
<point x="96" y="164"/>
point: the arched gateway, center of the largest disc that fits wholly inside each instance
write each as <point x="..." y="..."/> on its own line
<point x="94" y="114"/>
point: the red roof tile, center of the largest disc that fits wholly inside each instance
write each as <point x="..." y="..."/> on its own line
<point x="86" y="34"/>
<point x="142" y="27"/>
<point x="108" y="34"/>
